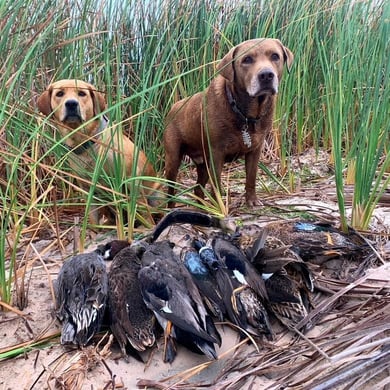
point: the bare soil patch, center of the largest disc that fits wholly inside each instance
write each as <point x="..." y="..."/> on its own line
<point x="349" y="344"/>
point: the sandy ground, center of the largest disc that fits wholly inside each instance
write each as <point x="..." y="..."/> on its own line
<point x="36" y="368"/>
<point x="24" y="371"/>
<point x="39" y="365"/>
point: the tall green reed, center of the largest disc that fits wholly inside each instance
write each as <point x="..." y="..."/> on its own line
<point x="369" y="149"/>
<point x="355" y="101"/>
<point x="147" y="55"/>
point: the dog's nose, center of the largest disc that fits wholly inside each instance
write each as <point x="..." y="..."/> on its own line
<point x="72" y="111"/>
<point x="71" y="105"/>
<point x="266" y="75"/>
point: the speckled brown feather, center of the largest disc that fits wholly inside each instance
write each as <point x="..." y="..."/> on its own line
<point x="130" y="320"/>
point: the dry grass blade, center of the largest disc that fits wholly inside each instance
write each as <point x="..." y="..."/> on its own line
<point x="355" y="350"/>
<point x="313" y="345"/>
<point x="70" y="373"/>
<point x="326" y="303"/>
<point x="13" y="309"/>
<point x="185" y="375"/>
<point x="355" y="369"/>
<point x="354" y="337"/>
<point x="47" y="274"/>
<point x="272" y="364"/>
<point x="29" y="344"/>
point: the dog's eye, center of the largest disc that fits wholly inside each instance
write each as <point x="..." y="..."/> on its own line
<point x="59" y="93"/>
<point x="247" y="60"/>
<point x="275" y="57"/>
<point x="82" y="93"/>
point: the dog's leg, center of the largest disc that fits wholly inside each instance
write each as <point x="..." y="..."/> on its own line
<point x="218" y="166"/>
<point x="203" y="178"/>
<point x="172" y="164"/>
<point x="93" y="216"/>
<point x="251" y="161"/>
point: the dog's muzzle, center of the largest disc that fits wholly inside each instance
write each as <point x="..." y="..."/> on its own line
<point x="268" y="82"/>
<point x="72" y="111"/>
<point x="264" y="83"/>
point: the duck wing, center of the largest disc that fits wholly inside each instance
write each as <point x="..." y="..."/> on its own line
<point x="205" y="280"/>
<point x="81" y="294"/>
<point x="237" y="263"/>
<point x="170" y="299"/>
<point x="286" y="300"/>
<point x="130" y="320"/>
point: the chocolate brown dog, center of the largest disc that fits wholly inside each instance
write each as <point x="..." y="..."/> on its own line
<point x="74" y="106"/>
<point x="231" y="118"/>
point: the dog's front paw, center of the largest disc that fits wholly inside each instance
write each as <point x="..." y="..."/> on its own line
<point x="252" y="201"/>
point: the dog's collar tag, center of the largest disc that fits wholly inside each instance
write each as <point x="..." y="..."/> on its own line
<point x="246" y="137"/>
<point x="103" y="123"/>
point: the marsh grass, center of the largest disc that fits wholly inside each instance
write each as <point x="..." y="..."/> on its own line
<point x="145" y="56"/>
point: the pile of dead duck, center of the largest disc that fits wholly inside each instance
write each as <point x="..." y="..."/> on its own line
<point x="153" y="289"/>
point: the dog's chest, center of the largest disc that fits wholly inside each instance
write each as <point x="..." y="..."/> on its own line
<point x="241" y="140"/>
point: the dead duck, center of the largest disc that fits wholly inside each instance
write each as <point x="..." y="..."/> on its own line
<point x="131" y="322"/>
<point x="237" y="263"/>
<point x="81" y="294"/>
<point x="111" y="248"/>
<point x="241" y="287"/>
<point x="288" y="279"/>
<point x="318" y="242"/>
<point x="287" y="300"/>
<point x="269" y="254"/>
<point x="254" y="317"/>
<point x="205" y="280"/>
<point x="169" y="291"/>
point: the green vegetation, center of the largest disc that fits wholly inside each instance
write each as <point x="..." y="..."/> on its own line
<point x="147" y="55"/>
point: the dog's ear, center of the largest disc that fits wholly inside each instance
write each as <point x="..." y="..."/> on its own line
<point x="99" y="102"/>
<point x="44" y="102"/>
<point x="288" y="56"/>
<point x="225" y="66"/>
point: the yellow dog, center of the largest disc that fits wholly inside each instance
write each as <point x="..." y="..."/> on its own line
<point x="75" y="104"/>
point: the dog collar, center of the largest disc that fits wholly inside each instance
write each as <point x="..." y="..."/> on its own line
<point x="246" y="137"/>
<point x="103" y="123"/>
<point x="82" y="148"/>
<point x="236" y="109"/>
<point x="87" y="144"/>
